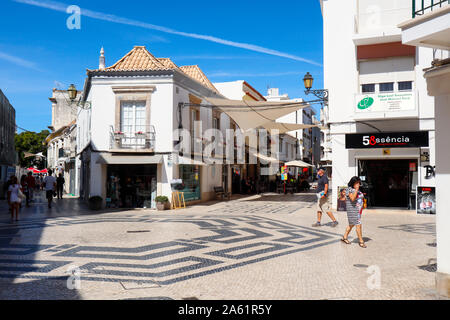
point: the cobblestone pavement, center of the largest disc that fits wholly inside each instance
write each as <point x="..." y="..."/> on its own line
<point x="250" y="248"/>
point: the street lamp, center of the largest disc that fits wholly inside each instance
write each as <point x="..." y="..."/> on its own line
<point x="73" y="92"/>
<point x="308" y="80"/>
<point x="322" y="94"/>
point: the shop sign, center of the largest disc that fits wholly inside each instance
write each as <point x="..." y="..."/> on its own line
<point x="386" y="102"/>
<point x="384" y="140"/>
<point x="284" y="173"/>
<point x="426" y="200"/>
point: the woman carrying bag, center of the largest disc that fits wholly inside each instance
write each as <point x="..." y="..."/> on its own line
<point x="355" y="204"/>
<point x="15" y="197"/>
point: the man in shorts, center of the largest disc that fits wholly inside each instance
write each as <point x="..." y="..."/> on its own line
<point x="323" y="202"/>
<point x="50" y="185"/>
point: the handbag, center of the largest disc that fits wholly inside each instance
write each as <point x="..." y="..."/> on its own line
<point x="20" y="194"/>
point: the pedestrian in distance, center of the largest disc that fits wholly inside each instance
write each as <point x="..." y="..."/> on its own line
<point x="25" y="189"/>
<point x="60" y="185"/>
<point x="355" y="204"/>
<point x="15" y="196"/>
<point x="323" y="201"/>
<point x="50" y="187"/>
<point x="31" y="183"/>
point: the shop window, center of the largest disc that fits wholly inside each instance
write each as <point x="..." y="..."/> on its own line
<point x="387" y="87"/>
<point x="405" y="86"/>
<point x="368" y="88"/>
<point x="191" y="180"/>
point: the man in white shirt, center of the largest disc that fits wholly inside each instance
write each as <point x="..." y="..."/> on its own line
<point x="50" y="185"/>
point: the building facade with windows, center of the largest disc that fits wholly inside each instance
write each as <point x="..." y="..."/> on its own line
<point x="381" y="118"/>
<point x="127" y="141"/>
<point x="61" y="143"/>
<point x="8" y="154"/>
<point x="429" y="27"/>
<point x="305" y="145"/>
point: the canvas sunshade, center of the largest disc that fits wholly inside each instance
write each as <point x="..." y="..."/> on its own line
<point x="254" y="114"/>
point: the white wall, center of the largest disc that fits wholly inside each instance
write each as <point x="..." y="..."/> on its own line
<point x="339" y="32"/>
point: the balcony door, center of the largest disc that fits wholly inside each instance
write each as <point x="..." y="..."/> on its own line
<point x="133" y="123"/>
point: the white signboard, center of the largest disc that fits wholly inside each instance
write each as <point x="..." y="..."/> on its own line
<point x="385" y="102"/>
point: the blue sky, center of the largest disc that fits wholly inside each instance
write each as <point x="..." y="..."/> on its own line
<point x="266" y="43"/>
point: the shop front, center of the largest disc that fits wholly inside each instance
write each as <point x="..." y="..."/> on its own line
<point x="131" y="186"/>
<point x="389" y="165"/>
<point x="190" y="175"/>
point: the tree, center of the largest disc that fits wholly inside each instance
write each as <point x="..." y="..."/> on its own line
<point x="34" y="143"/>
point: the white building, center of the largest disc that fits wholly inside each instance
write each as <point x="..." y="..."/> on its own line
<point x="430" y="28"/>
<point x="61" y="143"/>
<point x="381" y="118"/>
<point x="306" y="144"/>
<point x="127" y="142"/>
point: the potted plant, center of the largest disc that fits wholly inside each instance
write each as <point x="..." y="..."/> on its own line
<point x="161" y="203"/>
<point x="95" y="203"/>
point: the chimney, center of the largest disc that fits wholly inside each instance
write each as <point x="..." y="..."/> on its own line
<point x="101" y="65"/>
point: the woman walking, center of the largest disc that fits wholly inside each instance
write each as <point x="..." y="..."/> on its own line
<point x="355" y="203"/>
<point x="14" y="198"/>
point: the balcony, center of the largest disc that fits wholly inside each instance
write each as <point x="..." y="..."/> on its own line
<point x="421" y="7"/>
<point x="133" y="139"/>
<point x="430" y="25"/>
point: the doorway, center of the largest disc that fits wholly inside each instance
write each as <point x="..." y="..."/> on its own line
<point x="388" y="183"/>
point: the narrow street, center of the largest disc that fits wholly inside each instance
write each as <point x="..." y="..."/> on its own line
<point x="250" y="248"/>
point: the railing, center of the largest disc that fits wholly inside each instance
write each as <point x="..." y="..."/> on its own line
<point x="133" y="137"/>
<point x="420" y="7"/>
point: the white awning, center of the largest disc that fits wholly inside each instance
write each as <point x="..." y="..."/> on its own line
<point x="254" y="114"/>
<point x="286" y="127"/>
<point x="267" y="158"/>
<point x="108" y="158"/>
<point x="298" y="163"/>
<point x="188" y="161"/>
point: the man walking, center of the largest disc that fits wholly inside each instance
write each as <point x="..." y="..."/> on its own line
<point x="50" y="185"/>
<point x="60" y="185"/>
<point x="323" y="202"/>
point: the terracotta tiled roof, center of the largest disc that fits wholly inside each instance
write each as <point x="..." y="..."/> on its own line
<point x="197" y="74"/>
<point x="138" y="59"/>
<point x="169" y="64"/>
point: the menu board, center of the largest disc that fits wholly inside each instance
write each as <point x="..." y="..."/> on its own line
<point x="426" y="200"/>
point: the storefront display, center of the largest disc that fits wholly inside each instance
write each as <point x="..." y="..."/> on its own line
<point x="131" y="186"/>
<point x="426" y="200"/>
<point x="190" y="175"/>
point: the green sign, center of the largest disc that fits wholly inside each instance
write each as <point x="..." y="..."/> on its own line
<point x="365" y="103"/>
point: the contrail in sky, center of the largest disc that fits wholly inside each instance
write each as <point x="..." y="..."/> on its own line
<point x="62" y="7"/>
<point x="18" y="61"/>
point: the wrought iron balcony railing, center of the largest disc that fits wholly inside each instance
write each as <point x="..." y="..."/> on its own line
<point x="133" y="137"/>
<point x="420" y="7"/>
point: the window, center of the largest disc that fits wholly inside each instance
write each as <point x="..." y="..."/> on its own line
<point x="216" y="123"/>
<point x="405" y="86"/>
<point x="387" y="87"/>
<point x="132" y="115"/>
<point x="281" y="145"/>
<point x="368" y="88"/>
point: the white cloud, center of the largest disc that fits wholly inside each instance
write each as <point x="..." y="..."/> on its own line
<point x="255" y="75"/>
<point x="58" y="6"/>
<point x="18" y="61"/>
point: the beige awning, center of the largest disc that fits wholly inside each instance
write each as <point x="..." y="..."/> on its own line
<point x="267" y="158"/>
<point x="108" y="158"/>
<point x="298" y="163"/>
<point x="286" y="127"/>
<point x="188" y="161"/>
<point x="254" y="114"/>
